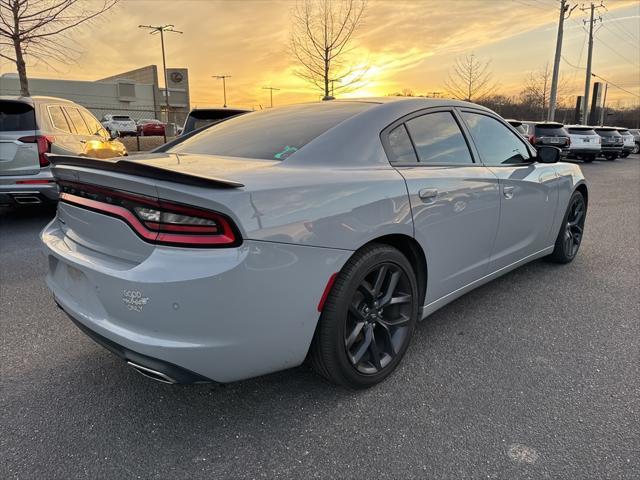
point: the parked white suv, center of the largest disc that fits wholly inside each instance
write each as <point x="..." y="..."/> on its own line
<point x="31" y="127"/>
<point x="585" y="142"/>
<point x="120" y="125"/>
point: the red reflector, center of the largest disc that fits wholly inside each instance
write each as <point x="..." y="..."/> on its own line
<point x="34" y="182"/>
<point x="326" y="292"/>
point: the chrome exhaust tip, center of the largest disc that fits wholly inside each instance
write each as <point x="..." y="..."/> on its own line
<point x="26" y="199"/>
<point x="152" y="374"/>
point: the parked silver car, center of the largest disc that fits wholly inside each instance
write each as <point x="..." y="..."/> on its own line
<point x="324" y="230"/>
<point x="31" y="127"/>
<point x="629" y="143"/>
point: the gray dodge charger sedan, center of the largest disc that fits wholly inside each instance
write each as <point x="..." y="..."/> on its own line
<point x="321" y="231"/>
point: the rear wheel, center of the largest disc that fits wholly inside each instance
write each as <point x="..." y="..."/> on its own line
<point x="570" y="235"/>
<point x="611" y="158"/>
<point x="588" y="158"/>
<point x="368" y="318"/>
<point x="636" y="148"/>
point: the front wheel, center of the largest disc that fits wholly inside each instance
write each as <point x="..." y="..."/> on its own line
<point x="367" y="319"/>
<point x="571" y="231"/>
<point x="636" y="148"/>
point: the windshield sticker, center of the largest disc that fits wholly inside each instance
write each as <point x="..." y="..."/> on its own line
<point x="286" y="151"/>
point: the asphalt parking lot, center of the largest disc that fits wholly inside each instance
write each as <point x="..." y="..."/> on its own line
<point x="535" y="375"/>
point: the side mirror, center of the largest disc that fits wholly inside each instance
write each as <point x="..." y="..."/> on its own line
<point x="113" y="134"/>
<point x="549" y="154"/>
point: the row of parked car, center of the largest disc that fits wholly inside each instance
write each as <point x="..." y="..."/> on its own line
<point x="124" y="125"/>
<point x="581" y="142"/>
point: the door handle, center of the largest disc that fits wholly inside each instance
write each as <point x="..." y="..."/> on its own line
<point x="508" y="192"/>
<point x="428" y="194"/>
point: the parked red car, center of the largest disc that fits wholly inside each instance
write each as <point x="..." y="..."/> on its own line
<point x="148" y="127"/>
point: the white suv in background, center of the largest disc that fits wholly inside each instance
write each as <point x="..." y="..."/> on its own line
<point x="120" y="124"/>
<point x="585" y="143"/>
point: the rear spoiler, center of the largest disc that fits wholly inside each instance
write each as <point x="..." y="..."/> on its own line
<point x="131" y="167"/>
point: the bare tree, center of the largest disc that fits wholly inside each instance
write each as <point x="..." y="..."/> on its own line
<point x="470" y="79"/>
<point x="38" y="29"/>
<point x="321" y="39"/>
<point x="537" y="90"/>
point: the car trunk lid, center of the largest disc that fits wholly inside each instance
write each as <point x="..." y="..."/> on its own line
<point x="193" y="186"/>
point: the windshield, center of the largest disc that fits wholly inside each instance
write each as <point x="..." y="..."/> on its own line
<point x="16" y="116"/>
<point x="270" y="134"/>
<point x="608" y="133"/>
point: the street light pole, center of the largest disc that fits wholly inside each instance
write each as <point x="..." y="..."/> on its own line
<point x="161" y="29"/>
<point x="224" y="86"/>
<point x="271" y="89"/>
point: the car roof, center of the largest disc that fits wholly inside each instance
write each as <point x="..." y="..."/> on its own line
<point x="37" y="99"/>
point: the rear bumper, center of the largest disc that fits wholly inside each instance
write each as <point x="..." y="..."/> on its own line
<point x="222" y="314"/>
<point x="611" y="149"/>
<point x="585" y="150"/>
<point x="13" y="193"/>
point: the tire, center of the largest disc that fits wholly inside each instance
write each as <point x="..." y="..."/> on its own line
<point x="571" y="231"/>
<point x="636" y="148"/>
<point x="357" y="345"/>
<point x="611" y="158"/>
<point x="588" y="158"/>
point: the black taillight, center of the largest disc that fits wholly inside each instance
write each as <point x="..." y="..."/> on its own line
<point x="156" y="221"/>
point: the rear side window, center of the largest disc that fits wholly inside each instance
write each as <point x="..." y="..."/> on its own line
<point x="496" y="143"/>
<point x="58" y="119"/>
<point x="582" y="131"/>
<point x="401" y="147"/>
<point x="16" y="117"/>
<point x="438" y="139"/>
<point x="273" y="134"/>
<point x="77" y="121"/>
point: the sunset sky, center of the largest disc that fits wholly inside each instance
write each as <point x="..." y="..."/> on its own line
<point x="406" y="44"/>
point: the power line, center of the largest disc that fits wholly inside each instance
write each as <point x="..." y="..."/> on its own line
<point x="617" y="53"/>
<point x="617" y="86"/>
<point x="633" y="44"/>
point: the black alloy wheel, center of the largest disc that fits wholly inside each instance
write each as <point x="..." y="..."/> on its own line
<point x="571" y="231"/>
<point x="368" y="318"/>
<point x="378" y="319"/>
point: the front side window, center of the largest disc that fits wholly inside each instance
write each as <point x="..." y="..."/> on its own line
<point x="401" y="147"/>
<point x="94" y="126"/>
<point x="496" y="143"/>
<point x="58" y="119"/>
<point x="438" y="139"/>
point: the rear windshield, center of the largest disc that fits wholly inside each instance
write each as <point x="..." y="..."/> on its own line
<point x="543" y="130"/>
<point x="582" y="131"/>
<point x="16" y="117"/>
<point x="121" y="118"/>
<point x="608" y="133"/>
<point x="270" y="134"/>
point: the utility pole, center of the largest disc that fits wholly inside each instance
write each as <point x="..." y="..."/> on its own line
<point x="161" y="29"/>
<point x="565" y="13"/>
<point x="271" y="89"/>
<point x="587" y="82"/>
<point x="224" y="86"/>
